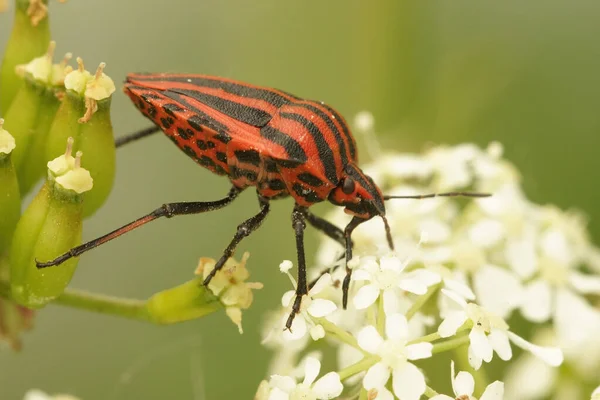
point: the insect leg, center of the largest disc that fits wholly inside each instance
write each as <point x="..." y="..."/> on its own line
<point x="166" y="210"/>
<point x="347" y="235"/>
<point x="330" y="230"/>
<point x="299" y="224"/>
<point x="123" y="140"/>
<point x="243" y="230"/>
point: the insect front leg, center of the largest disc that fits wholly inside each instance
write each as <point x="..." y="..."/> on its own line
<point x="299" y="224"/>
<point x="356" y="221"/>
<point x="243" y="230"/>
<point x="166" y="210"/>
<point x="331" y="231"/>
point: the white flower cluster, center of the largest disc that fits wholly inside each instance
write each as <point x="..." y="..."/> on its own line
<point x="461" y="268"/>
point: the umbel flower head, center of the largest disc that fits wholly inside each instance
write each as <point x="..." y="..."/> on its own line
<point x="460" y="269"/>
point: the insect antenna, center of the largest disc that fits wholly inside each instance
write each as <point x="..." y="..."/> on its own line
<point x="431" y="195"/>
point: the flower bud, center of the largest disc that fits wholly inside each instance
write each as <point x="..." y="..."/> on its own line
<point x="29" y="38"/>
<point x="10" y="199"/>
<point x="192" y="299"/>
<point x="85" y="115"/>
<point x="32" y="113"/>
<point x="49" y="227"/>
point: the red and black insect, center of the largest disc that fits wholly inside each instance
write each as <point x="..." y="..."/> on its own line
<point x="279" y="143"/>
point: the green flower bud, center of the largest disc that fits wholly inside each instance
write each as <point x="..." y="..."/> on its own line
<point x="85" y="115"/>
<point x="192" y="299"/>
<point x="10" y="199"/>
<point x="32" y="113"/>
<point x="49" y="227"/>
<point x="29" y="38"/>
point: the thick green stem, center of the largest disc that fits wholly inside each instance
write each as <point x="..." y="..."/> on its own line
<point x="364" y="395"/>
<point x="359" y="367"/>
<point x="126" y="308"/>
<point x="420" y="302"/>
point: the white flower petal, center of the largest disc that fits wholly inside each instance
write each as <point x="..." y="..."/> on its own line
<point x="391" y="301"/>
<point x="454" y="297"/>
<point x="278" y="394"/>
<point x="499" y="341"/>
<point x="453" y="321"/>
<point x="320" y="308"/>
<point x="426" y="277"/>
<point x="585" y="283"/>
<point x="575" y="319"/>
<point x="463" y="384"/>
<point x="413" y="286"/>
<point x="459" y="288"/>
<point x="396" y="327"/>
<point x="486" y="232"/>
<point x="537" y="301"/>
<point x="323" y="282"/>
<point x="529" y="378"/>
<point x="481" y="345"/>
<point x="441" y="397"/>
<point x="369" y="339"/>
<point x="312" y="367"/>
<point x="377" y="376"/>
<point x="521" y="257"/>
<point x="366" y="296"/>
<point x="361" y="275"/>
<point x="285" y="383"/>
<point x="437" y="230"/>
<point x="494" y="391"/>
<point x="287" y="297"/>
<point x="392" y="263"/>
<point x="317" y="332"/>
<point x="474" y="360"/>
<point x="298" y="329"/>
<point x="328" y="386"/>
<point x="551" y="355"/>
<point x="596" y="392"/>
<point x="554" y="244"/>
<point x="384" y="394"/>
<point x="498" y="290"/>
<point x="408" y="382"/>
<point x="418" y="351"/>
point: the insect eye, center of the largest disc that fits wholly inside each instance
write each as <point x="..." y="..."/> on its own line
<point x="348" y="186"/>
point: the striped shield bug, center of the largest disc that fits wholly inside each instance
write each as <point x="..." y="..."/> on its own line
<point x="264" y="138"/>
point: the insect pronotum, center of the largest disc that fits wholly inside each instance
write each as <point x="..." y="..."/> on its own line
<point x="265" y="138"/>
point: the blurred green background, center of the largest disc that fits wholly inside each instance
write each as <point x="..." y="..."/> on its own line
<point x="526" y="73"/>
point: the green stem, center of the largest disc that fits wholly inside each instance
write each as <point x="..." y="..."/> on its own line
<point x="380" y="316"/>
<point x="126" y="308"/>
<point x="341" y="334"/>
<point x="429" y="392"/>
<point x="420" y="302"/>
<point x="428" y="338"/>
<point x="122" y="307"/>
<point x="362" y="365"/>
<point x="450" y="344"/>
<point x="364" y="395"/>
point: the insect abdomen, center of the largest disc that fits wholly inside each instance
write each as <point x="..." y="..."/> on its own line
<point x="201" y="143"/>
